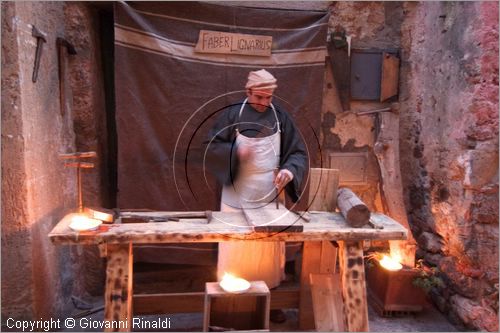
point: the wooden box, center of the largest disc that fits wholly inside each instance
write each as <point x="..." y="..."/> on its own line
<point x="392" y="292"/>
<point x="248" y="311"/>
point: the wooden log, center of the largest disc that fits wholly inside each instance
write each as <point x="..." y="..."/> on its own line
<point x="352" y="208"/>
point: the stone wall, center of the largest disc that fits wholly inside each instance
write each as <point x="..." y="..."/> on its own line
<point x="449" y="150"/>
<point x="89" y="121"/>
<point x="448" y="138"/>
<point x="38" y="278"/>
<point x="36" y="189"/>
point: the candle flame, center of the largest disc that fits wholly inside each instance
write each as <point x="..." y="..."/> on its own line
<point x="391" y="263"/>
<point x="233" y="284"/>
<point x="80" y="222"/>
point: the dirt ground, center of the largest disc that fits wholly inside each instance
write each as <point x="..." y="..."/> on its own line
<point x="429" y="320"/>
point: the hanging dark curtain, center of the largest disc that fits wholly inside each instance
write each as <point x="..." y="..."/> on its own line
<point x="167" y="96"/>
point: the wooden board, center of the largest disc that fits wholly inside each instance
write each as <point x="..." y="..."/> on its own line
<point x="390" y="76"/>
<point x="221" y="42"/>
<point x="318" y="257"/>
<point x="327" y="302"/>
<point x="272" y="220"/>
<point x="323" y="186"/>
<point x="224" y="227"/>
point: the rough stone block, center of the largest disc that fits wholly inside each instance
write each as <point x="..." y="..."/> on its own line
<point x="474" y="315"/>
<point x="460" y="283"/>
<point x="430" y="242"/>
<point x="484" y="209"/>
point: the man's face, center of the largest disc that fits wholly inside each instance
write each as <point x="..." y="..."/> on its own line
<point x="260" y="99"/>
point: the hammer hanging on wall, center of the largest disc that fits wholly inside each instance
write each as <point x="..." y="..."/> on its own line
<point x="40" y="39"/>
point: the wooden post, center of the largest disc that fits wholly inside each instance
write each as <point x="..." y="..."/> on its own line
<point x="352" y="273"/>
<point x="387" y="152"/>
<point x="119" y="291"/>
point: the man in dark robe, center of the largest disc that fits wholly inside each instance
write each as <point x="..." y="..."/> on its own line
<point x="253" y="149"/>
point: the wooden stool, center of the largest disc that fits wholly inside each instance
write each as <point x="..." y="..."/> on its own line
<point x="230" y="311"/>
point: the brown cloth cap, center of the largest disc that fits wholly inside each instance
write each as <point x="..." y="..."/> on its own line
<point x="261" y="79"/>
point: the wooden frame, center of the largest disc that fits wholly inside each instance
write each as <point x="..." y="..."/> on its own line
<point x="247" y="309"/>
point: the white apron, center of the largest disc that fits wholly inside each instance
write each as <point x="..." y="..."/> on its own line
<point x="253" y="260"/>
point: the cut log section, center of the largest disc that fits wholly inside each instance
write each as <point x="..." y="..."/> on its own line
<point x="352" y="208"/>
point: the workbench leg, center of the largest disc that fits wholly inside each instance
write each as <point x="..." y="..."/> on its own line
<point x="317" y="257"/>
<point x="352" y="273"/>
<point x="119" y="292"/>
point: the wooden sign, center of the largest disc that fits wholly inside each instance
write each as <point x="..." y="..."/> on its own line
<point x="231" y="43"/>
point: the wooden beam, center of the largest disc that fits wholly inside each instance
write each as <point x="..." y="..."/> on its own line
<point x="118" y="294"/>
<point x="323" y="225"/>
<point x="150" y="304"/>
<point x="352" y="273"/>
<point x="387" y="152"/>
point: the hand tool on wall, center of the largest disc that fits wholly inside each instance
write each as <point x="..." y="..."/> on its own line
<point x="79" y="165"/>
<point x="40" y="36"/>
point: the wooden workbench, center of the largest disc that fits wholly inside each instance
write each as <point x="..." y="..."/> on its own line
<point x="117" y="240"/>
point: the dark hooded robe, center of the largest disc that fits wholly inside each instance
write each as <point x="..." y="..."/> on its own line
<point x="222" y="160"/>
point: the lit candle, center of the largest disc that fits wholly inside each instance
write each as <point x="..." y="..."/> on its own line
<point x="233" y="284"/>
<point x="81" y="222"/>
<point x="390" y="263"/>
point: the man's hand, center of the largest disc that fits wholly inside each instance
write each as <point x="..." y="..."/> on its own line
<point x="245" y="153"/>
<point x="283" y="177"/>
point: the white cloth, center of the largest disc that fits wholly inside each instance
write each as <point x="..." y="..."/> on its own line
<point x="253" y="260"/>
<point x="261" y="79"/>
